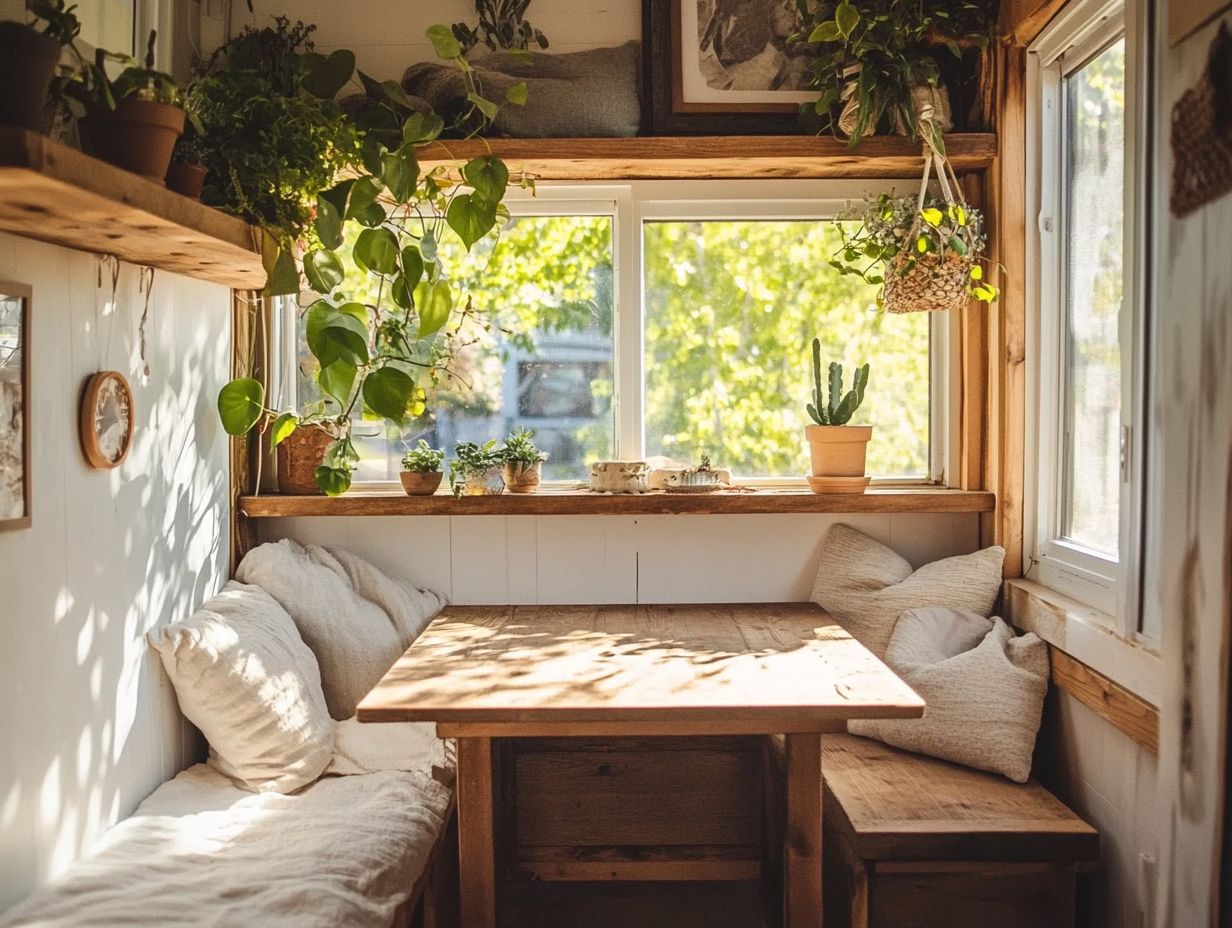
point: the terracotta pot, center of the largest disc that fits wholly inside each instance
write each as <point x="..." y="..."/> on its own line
<point x="186" y="179"/>
<point x="418" y="483"/>
<point x="138" y="135"/>
<point x="523" y="478"/>
<point x="839" y="451"/>
<point x="27" y="64"/>
<point x="299" y="456"/>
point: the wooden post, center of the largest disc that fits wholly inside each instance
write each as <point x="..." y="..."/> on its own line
<point x="476" y="842"/>
<point x="802" y="903"/>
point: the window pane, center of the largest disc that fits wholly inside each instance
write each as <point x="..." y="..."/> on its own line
<point x="731" y="310"/>
<point x="537" y="352"/>
<point x="1094" y="274"/>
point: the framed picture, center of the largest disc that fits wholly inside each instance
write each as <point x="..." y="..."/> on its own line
<point x="14" y="406"/>
<point x="723" y="67"/>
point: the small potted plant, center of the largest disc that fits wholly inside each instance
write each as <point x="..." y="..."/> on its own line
<point x="703" y="478"/>
<point x="28" y="58"/>
<point x="926" y="254"/>
<point x="838" y="451"/>
<point x="476" y="469"/>
<point x="523" y="462"/>
<point x="421" y="470"/>
<point x="134" y="121"/>
<point x="186" y="175"/>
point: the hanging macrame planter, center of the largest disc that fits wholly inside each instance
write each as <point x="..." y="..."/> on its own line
<point x="926" y="252"/>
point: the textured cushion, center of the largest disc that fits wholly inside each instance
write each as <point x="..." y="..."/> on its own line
<point x="369" y="747"/>
<point x="983" y="689"/>
<point x="356" y="619"/>
<point x="245" y="677"/>
<point x="588" y="93"/>
<point x="866" y="586"/>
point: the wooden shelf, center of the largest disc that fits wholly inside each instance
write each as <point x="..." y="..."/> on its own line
<point x="583" y="503"/>
<point x="678" y="157"/>
<point x="56" y="194"/>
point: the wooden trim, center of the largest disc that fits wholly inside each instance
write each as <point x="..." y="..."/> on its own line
<point x="973" y="363"/>
<point x="56" y="194"/>
<point x="645" y="729"/>
<point x="700" y="157"/>
<point x="581" y="502"/>
<point x="1024" y="20"/>
<point x="693" y="863"/>
<point x="1119" y="707"/>
<point x="26" y="294"/>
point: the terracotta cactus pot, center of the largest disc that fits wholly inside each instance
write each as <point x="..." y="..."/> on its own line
<point x="418" y="483"/>
<point x="138" y="135"/>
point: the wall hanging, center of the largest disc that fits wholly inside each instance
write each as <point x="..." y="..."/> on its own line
<point x="14" y="406"/>
<point x="1202" y="133"/>
<point x="105" y="420"/>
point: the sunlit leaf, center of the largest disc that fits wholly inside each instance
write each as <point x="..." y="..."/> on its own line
<point x="283" y="428"/>
<point x="241" y="404"/>
<point x="433" y="302"/>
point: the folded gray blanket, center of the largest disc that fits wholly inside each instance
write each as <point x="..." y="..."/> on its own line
<point x="590" y="93"/>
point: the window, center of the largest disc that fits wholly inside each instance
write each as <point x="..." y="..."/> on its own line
<point x="669" y="320"/>
<point x="1090" y="307"/>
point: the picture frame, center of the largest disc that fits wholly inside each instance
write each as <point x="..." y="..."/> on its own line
<point x="15" y="418"/>
<point x="680" y="78"/>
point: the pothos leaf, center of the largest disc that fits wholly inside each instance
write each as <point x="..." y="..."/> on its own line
<point x="283" y="428"/>
<point x="434" y="302"/>
<point x="240" y="405"/>
<point x="471" y="216"/>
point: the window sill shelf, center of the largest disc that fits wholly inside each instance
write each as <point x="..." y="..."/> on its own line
<point x="583" y="503"/>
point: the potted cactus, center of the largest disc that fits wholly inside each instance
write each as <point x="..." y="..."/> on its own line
<point x="476" y="469"/>
<point x="523" y="462"/>
<point x="421" y="470"/>
<point x="838" y="451"/>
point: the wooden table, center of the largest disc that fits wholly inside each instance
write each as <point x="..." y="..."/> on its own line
<point x="585" y="671"/>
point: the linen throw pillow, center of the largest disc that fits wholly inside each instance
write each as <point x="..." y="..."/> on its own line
<point x="983" y="689"/>
<point x="245" y="678"/>
<point x="356" y="619"/>
<point x="866" y="586"/>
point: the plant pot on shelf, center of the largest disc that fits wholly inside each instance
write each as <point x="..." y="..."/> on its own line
<point x="28" y="61"/>
<point x="483" y="483"/>
<point x="521" y="477"/>
<point x="838" y="456"/>
<point x="138" y="135"/>
<point x="421" y="483"/>
<point x="186" y="178"/>
<point x="299" y="456"/>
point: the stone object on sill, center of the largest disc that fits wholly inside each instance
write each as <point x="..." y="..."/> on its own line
<point x="619" y="477"/>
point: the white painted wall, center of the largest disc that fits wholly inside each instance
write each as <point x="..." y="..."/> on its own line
<point x="388" y="35"/>
<point x="619" y="559"/>
<point x="90" y="726"/>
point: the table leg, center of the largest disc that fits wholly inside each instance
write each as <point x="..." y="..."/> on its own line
<point x="476" y="844"/>
<point x="802" y="837"/>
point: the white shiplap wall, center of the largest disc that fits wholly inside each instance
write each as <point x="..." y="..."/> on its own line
<point x="90" y="725"/>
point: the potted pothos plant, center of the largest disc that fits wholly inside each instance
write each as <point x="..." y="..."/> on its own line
<point x="523" y="462"/>
<point x="882" y="65"/>
<point x="377" y="359"/>
<point x="838" y="451"/>
<point x="475" y="470"/>
<point x="421" y="469"/>
<point x="29" y="53"/>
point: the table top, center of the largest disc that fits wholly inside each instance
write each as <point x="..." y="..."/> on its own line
<point x="785" y="667"/>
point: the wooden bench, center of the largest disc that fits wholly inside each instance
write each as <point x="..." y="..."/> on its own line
<point x="914" y="842"/>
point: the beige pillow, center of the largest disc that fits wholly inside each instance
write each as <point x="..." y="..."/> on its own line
<point x="356" y="619"/>
<point x="245" y="677"/>
<point x="983" y="690"/>
<point x="866" y="586"/>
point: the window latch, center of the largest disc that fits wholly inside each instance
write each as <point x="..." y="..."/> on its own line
<point x="1126" y="446"/>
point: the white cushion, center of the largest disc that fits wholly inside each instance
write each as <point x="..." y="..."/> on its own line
<point x="983" y="690"/>
<point x="369" y="747"/>
<point x="245" y="677"/>
<point x="866" y="586"/>
<point x="356" y="619"/>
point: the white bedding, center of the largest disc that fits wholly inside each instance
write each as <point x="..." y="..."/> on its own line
<point x="199" y="852"/>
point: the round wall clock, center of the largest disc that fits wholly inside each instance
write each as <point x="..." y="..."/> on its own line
<point x="106" y="420"/>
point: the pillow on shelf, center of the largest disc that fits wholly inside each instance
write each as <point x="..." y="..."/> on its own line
<point x="866" y="586"/>
<point x="983" y="689"/>
<point x="245" y="678"/>
<point x="356" y="619"/>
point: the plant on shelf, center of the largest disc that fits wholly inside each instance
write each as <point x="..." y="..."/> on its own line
<point x="837" y="450"/>
<point x="502" y="25"/>
<point x="924" y="254"/>
<point x="523" y="462"/>
<point x="881" y="65"/>
<point x="475" y="470"/>
<point x="701" y="478"/>
<point x="421" y="469"/>
<point x="29" y="54"/>
<point x="377" y="357"/>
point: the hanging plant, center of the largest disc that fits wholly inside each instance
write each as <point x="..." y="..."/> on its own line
<point x="925" y="252"/>
<point x="502" y="26"/>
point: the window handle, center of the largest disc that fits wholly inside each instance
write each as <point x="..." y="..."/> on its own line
<point x="1127" y="437"/>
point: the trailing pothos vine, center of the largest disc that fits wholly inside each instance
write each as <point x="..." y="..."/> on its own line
<point x="379" y="358"/>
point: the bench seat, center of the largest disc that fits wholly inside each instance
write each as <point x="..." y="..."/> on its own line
<point x="200" y="851"/>
<point x="911" y="841"/>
